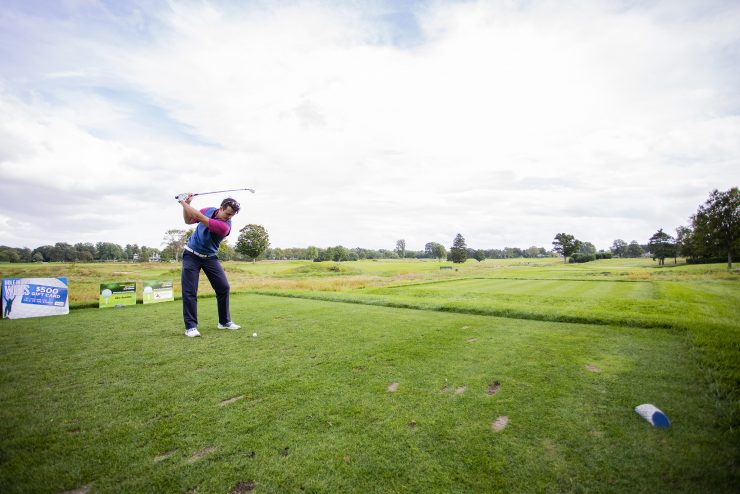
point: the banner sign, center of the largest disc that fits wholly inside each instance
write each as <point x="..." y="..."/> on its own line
<point x="117" y="294"/>
<point x="158" y="291"/>
<point x="34" y="297"/>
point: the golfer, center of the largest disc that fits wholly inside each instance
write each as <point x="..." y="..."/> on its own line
<point x="214" y="224"/>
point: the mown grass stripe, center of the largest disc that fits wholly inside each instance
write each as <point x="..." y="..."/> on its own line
<point x="487" y="311"/>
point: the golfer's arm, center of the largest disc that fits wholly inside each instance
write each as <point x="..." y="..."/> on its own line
<point x="192" y="215"/>
<point x="187" y="218"/>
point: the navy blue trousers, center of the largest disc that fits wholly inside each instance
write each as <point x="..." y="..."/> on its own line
<point x="191" y="266"/>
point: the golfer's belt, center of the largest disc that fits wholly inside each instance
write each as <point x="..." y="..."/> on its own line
<point x="196" y="253"/>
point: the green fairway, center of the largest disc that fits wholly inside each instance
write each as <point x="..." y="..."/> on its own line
<point x="381" y="377"/>
<point x="122" y="402"/>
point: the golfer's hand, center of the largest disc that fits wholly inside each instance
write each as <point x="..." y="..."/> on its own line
<point x="185" y="197"/>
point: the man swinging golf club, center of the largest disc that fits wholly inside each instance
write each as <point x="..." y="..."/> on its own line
<point x="214" y="224"/>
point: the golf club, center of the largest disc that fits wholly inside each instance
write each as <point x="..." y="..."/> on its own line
<point x="183" y="196"/>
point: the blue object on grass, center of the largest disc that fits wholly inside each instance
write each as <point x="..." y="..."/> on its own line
<point x="654" y="415"/>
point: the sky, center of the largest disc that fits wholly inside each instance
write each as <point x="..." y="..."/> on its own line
<point x="360" y="123"/>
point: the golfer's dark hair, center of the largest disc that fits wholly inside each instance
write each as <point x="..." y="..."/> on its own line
<point x="229" y="202"/>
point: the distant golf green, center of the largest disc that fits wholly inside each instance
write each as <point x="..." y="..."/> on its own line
<point x="416" y="385"/>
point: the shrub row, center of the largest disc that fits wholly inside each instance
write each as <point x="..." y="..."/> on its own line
<point x="706" y="260"/>
<point x="579" y="258"/>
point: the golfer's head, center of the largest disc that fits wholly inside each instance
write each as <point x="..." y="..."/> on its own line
<point x="229" y="207"/>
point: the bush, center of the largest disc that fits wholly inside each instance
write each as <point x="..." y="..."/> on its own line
<point x="579" y="257"/>
<point x="706" y="260"/>
<point x="603" y="255"/>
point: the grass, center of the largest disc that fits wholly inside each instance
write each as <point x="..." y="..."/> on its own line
<point x="120" y="401"/>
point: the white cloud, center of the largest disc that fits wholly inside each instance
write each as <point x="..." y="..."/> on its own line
<point x="506" y="124"/>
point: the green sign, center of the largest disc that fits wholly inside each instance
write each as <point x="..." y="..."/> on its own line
<point x="117" y="294"/>
<point x="158" y="291"/>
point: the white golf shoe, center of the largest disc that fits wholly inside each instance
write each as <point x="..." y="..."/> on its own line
<point x="192" y="332"/>
<point x="228" y="325"/>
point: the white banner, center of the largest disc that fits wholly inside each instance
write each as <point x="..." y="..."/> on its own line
<point x="34" y="297"/>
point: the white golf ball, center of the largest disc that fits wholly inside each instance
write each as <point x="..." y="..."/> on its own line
<point x="254" y="334"/>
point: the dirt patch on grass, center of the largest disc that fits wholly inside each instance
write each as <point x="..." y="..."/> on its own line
<point x="243" y="487"/>
<point x="198" y="455"/>
<point x="393" y="387"/>
<point x="592" y="368"/>
<point x="164" y="456"/>
<point x="460" y="390"/>
<point x="412" y="425"/>
<point x="493" y="388"/>
<point x="500" y="423"/>
<point x="472" y="340"/>
<point x="80" y="490"/>
<point x="231" y="400"/>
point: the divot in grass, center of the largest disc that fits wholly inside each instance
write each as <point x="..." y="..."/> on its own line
<point x="499" y="424"/>
<point x="472" y="340"/>
<point x="243" y="487"/>
<point x="80" y="490"/>
<point x="412" y="425"/>
<point x="460" y="390"/>
<point x="231" y="400"/>
<point x="493" y="388"/>
<point x="592" y="368"/>
<point x="392" y="387"/>
<point x="200" y="454"/>
<point x="164" y="456"/>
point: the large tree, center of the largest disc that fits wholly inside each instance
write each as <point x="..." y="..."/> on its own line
<point x="619" y="248"/>
<point x="662" y="245"/>
<point x="175" y="239"/>
<point x="587" y="248"/>
<point x="341" y="253"/>
<point x="225" y="251"/>
<point x="566" y="245"/>
<point x="717" y="224"/>
<point x="435" y="250"/>
<point x="401" y="248"/>
<point x="252" y="242"/>
<point x="108" y="251"/>
<point x="458" y="251"/>
<point x="634" y="249"/>
<point x="533" y="251"/>
<point x="685" y="242"/>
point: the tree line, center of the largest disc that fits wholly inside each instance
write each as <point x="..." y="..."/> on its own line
<point x="82" y="252"/>
<point x="713" y="236"/>
<point x="432" y="250"/>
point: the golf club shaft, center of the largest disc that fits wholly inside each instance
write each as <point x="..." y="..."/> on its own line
<point x="180" y="197"/>
<point x="220" y="191"/>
